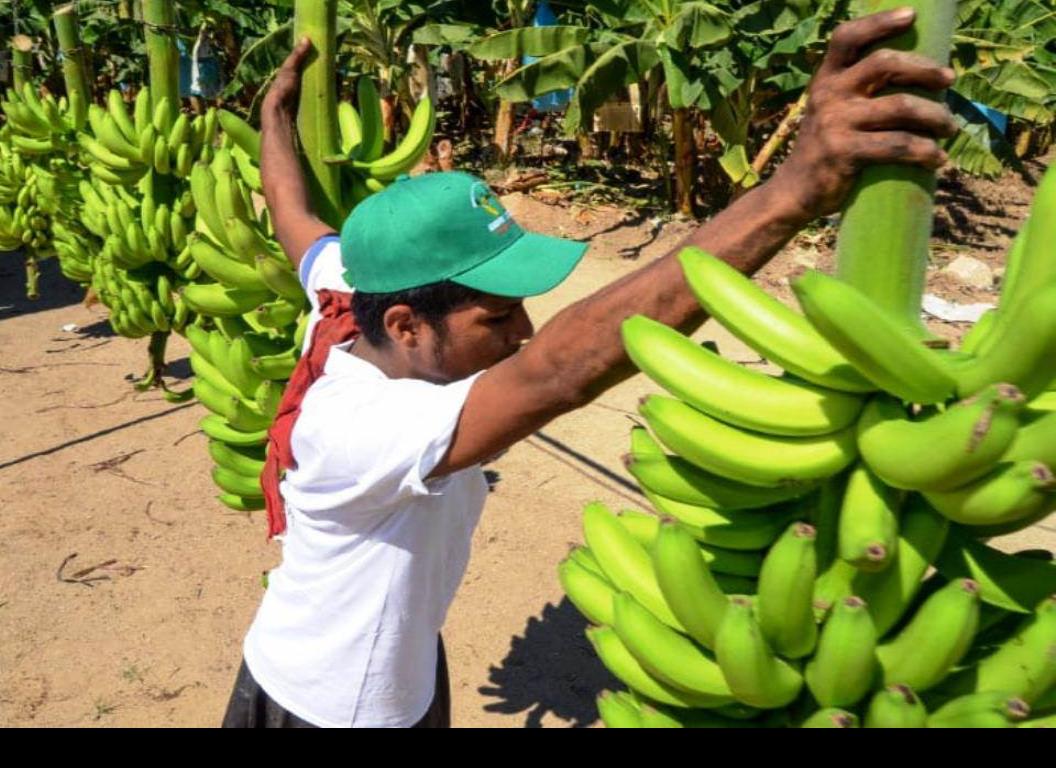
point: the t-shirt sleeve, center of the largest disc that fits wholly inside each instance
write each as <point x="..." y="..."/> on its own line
<point x="406" y="436"/>
<point x="321" y="268"/>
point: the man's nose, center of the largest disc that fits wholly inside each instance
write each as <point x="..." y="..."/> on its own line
<point x="523" y="328"/>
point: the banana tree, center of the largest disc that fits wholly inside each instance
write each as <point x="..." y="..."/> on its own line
<point x="1005" y="60"/>
<point x="625" y="42"/>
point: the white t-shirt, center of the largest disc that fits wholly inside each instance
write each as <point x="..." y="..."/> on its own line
<point x="373" y="552"/>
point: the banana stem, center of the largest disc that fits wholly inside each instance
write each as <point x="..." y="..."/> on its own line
<point x="74" y="67"/>
<point x="159" y="23"/>
<point x="32" y="278"/>
<point x="882" y="248"/>
<point x="317" y="112"/>
<point x="21" y="60"/>
<point x="781" y="134"/>
<point x="156" y="367"/>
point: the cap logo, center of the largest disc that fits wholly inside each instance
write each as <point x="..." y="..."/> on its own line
<point x="480" y="196"/>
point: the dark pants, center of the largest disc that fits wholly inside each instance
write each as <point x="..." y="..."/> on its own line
<point x="251" y="707"/>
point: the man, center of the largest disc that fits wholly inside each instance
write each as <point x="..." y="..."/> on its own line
<point x="387" y="486"/>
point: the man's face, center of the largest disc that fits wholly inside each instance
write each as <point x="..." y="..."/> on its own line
<point x="477" y="336"/>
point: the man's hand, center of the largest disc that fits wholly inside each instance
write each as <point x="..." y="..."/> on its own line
<point x="285" y="188"/>
<point x="847" y="126"/>
<point x="286" y="87"/>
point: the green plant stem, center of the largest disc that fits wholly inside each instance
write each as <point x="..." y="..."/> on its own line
<point x="32" y="278"/>
<point x="21" y="60"/>
<point x="74" y="68"/>
<point x="159" y="20"/>
<point x="882" y="247"/>
<point x="317" y="112"/>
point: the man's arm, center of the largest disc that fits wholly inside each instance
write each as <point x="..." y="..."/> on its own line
<point x="580" y="354"/>
<point x="285" y="188"/>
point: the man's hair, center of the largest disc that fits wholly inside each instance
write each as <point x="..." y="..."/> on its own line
<point x="432" y="302"/>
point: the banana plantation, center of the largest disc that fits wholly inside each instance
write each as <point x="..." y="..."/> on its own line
<point x="831" y="507"/>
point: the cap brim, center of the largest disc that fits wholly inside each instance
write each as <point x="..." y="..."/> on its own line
<point x="534" y="264"/>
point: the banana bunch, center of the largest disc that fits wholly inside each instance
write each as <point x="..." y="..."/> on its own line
<point x="25" y="210"/>
<point x="240" y="371"/>
<point x="819" y="555"/>
<point x="41" y="125"/>
<point x="120" y="148"/>
<point x="366" y="167"/>
<point x="142" y="302"/>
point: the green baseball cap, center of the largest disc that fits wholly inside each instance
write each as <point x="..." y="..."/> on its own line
<point x="448" y="226"/>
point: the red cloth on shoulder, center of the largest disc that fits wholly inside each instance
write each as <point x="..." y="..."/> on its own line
<point x="336" y="326"/>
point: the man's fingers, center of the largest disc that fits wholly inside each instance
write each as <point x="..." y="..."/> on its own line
<point x="904" y="112"/>
<point x="887" y="67"/>
<point x="297" y="56"/>
<point x="851" y="38"/>
<point x="899" y="147"/>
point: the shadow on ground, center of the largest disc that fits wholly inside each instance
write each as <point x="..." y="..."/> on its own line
<point x="54" y="289"/>
<point x="551" y="669"/>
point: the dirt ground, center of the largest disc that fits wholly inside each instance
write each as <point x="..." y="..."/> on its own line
<point x="125" y="588"/>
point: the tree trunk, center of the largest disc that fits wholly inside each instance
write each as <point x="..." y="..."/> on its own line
<point x="21" y="60"/>
<point x="503" y="141"/>
<point x="685" y="156"/>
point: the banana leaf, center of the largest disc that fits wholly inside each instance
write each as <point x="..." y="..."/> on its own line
<point x="978" y="148"/>
<point x="619" y="66"/>
<point x="683" y="89"/>
<point x="446" y="34"/>
<point x="697" y="25"/>
<point x="528" y="41"/>
<point x="1012" y="88"/>
<point x="551" y="73"/>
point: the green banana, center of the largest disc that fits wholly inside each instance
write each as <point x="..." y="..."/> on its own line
<point x="624" y="561"/>
<point x="686" y="583"/>
<point x="831" y="717"/>
<point x="241" y="503"/>
<point x="973" y="339"/>
<point x="1010" y="493"/>
<point x="993" y="709"/>
<point x="1012" y="582"/>
<point x="845" y="667"/>
<point x="350" y="125"/>
<point x="766" y="325"/>
<point x="974" y="433"/>
<point x="245" y="461"/>
<point x="227" y="271"/>
<point x="202" y="188"/>
<point x="119" y="113"/>
<point x="621" y="663"/>
<point x="642" y="526"/>
<point x="784" y="603"/>
<point x="730" y="392"/>
<point x="875" y="343"/>
<point x="746" y="457"/>
<point x="276" y="314"/>
<point x="208" y="372"/>
<point x="245" y="136"/>
<point x="1035" y="441"/>
<point x="672" y="477"/>
<point x="754" y="674"/>
<point x="214" y="299"/>
<point x="667" y="655"/>
<point x="922" y="534"/>
<point x="591" y="594"/>
<point x="217" y="428"/>
<point x="241" y="485"/>
<point x="730" y="529"/>
<point x="1024" y="665"/>
<point x="280" y="278"/>
<point x="618" y="710"/>
<point x="919" y="656"/>
<point x="1021" y="353"/>
<point x="583" y="557"/>
<point x="141" y="112"/>
<point x="369" y="106"/>
<point x="896" y="706"/>
<point x="275" y="367"/>
<point x="410" y="150"/>
<point x="868" y="525"/>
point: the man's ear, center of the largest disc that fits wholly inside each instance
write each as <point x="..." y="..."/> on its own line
<point x="402" y="325"/>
